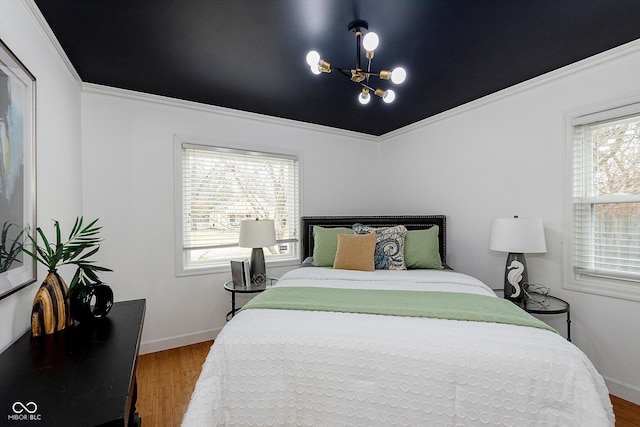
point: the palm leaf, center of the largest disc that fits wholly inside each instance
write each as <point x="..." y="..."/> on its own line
<point x="56" y="225"/>
<point x="82" y="244"/>
<point x="46" y="246"/>
<point x="89" y="254"/>
<point x="74" y="282"/>
<point x="76" y="227"/>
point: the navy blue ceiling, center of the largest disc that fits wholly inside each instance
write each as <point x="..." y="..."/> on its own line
<point x="249" y="55"/>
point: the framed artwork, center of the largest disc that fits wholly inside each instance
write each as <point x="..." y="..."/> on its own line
<point x="17" y="172"/>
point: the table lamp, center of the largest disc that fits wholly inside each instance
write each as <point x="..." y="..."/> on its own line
<point x="257" y="234"/>
<point x="517" y="236"/>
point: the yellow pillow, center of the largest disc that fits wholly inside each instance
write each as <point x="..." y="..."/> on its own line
<point x="355" y="252"/>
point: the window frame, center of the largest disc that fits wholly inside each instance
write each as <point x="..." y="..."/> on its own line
<point x="181" y="257"/>
<point x="616" y="287"/>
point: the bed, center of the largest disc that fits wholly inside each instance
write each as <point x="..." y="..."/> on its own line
<point x="409" y="347"/>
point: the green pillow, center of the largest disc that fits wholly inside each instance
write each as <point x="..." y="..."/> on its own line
<point x="325" y="243"/>
<point x="422" y="249"/>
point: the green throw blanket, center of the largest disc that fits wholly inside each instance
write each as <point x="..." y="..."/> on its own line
<point x="441" y="305"/>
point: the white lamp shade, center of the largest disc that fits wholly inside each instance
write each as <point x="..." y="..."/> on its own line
<point x="517" y="235"/>
<point x="257" y="233"/>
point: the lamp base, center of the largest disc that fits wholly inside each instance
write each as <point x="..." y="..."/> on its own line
<point x="258" y="269"/>
<point x="516" y="277"/>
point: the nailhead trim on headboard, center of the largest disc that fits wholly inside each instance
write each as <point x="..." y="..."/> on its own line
<point x="412" y="222"/>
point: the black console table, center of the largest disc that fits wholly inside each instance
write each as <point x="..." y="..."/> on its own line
<point x="81" y="376"/>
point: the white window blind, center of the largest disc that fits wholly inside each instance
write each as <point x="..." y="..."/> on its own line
<point x="606" y="196"/>
<point x="222" y="186"/>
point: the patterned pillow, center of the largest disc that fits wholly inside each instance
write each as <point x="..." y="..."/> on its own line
<point x="389" y="253"/>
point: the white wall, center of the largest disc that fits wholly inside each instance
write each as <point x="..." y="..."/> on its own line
<point x="57" y="144"/>
<point x="128" y="159"/>
<point x="504" y="156"/>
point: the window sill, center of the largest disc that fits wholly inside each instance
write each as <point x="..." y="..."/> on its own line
<point x="225" y="268"/>
<point x="606" y="287"/>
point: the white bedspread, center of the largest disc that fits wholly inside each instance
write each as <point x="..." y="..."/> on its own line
<point x="281" y="367"/>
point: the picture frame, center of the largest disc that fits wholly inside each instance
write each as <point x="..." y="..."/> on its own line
<point x="240" y="273"/>
<point x="237" y="273"/>
<point x="17" y="172"/>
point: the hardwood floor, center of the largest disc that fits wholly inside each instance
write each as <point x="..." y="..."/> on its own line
<point x="627" y="413"/>
<point x="166" y="380"/>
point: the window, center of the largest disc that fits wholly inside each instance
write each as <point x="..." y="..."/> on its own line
<point x="220" y="187"/>
<point x="606" y="199"/>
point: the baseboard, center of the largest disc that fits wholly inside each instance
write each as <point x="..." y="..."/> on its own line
<point x="178" y="341"/>
<point x="623" y="390"/>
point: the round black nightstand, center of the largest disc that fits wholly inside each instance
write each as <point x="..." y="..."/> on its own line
<point x="544" y="304"/>
<point x="251" y="289"/>
<point x="547" y="304"/>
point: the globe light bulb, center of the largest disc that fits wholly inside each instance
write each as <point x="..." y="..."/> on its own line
<point x="364" y="97"/>
<point x="388" y="96"/>
<point x="313" y="58"/>
<point x="398" y="75"/>
<point x="370" y="41"/>
<point x="315" y="69"/>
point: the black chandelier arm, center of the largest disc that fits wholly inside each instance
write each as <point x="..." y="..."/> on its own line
<point x="367" y="86"/>
<point x="358" y="38"/>
<point x="344" y="71"/>
<point x="347" y="72"/>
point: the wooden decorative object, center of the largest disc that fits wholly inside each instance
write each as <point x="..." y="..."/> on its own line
<point x="50" y="311"/>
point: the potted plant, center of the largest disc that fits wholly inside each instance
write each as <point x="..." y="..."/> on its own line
<point x="55" y="305"/>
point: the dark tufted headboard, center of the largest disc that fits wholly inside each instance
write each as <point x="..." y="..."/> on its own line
<point x="412" y="222"/>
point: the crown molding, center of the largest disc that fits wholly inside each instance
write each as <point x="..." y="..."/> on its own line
<point x="620" y="52"/>
<point x="48" y="33"/>
<point x="96" y="89"/>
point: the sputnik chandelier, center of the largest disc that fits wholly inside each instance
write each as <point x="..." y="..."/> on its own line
<point x="358" y="75"/>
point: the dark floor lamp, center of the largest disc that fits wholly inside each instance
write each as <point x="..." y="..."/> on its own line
<point x="517" y="236"/>
<point x="257" y="234"/>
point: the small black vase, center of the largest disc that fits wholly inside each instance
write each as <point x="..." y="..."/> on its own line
<point x="81" y="308"/>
